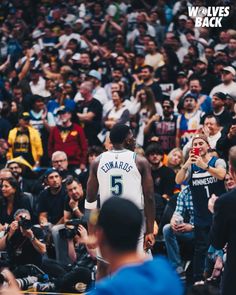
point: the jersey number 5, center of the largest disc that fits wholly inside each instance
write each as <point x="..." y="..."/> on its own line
<point x="116" y="185"/>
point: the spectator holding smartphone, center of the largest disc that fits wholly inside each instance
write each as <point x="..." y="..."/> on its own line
<point x="205" y="175"/>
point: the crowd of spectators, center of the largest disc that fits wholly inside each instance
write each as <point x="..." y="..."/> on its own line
<point x="71" y="70"/>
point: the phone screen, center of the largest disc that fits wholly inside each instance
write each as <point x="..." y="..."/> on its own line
<point x="196" y="151"/>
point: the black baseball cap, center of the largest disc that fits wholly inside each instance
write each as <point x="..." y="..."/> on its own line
<point x="220" y="95"/>
<point x="50" y="171"/>
<point x="25" y="116"/>
<point x="181" y="73"/>
<point x="190" y="96"/>
<point x="63" y="110"/>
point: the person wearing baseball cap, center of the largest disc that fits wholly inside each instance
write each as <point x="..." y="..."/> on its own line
<point x="24" y="140"/>
<point x="207" y="80"/>
<point x="219" y="109"/>
<point x="63" y="110"/>
<point x="95" y="74"/>
<point x="228" y="84"/>
<point x="230" y="69"/>
<point x="51" y="199"/>
<point x="229" y="104"/>
<point x="181" y="74"/>
<point x="98" y="92"/>
<point x="51" y="205"/>
<point x="68" y="137"/>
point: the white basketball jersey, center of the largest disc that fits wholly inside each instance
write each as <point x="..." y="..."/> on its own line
<point x="118" y="176"/>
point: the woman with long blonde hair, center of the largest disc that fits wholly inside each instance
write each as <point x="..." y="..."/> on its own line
<point x="175" y="159"/>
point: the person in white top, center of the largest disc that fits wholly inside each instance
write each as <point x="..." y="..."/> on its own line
<point x="38" y="83"/>
<point x="224" y="37"/>
<point x="153" y="58"/>
<point x="228" y="86"/>
<point x="98" y="91"/>
<point x="177" y="94"/>
<point x="67" y="36"/>
<point x="118" y="113"/>
<point x="212" y="130"/>
<point x="122" y="173"/>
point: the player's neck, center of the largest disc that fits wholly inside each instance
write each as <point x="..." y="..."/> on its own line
<point x="118" y="147"/>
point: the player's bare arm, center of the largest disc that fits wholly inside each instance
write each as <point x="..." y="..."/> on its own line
<point x="92" y="184"/>
<point x="149" y="202"/>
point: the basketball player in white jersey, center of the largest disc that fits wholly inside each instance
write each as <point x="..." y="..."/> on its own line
<point x="122" y="173"/>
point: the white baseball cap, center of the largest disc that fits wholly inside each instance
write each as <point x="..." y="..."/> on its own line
<point x="230" y="69"/>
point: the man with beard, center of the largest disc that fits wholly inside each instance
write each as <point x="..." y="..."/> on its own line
<point x="17" y="170"/>
<point x="84" y="65"/>
<point x="73" y="208"/>
<point x="51" y="200"/>
<point x="153" y="58"/>
<point x="69" y="138"/>
<point x="208" y="80"/>
<point x="163" y="178"/>
<point x="220" y="111"/>
<point x="188" y="123"/>
<point x="51" y="205"/>
<point x="148" y="81"/>
<point x="163" y="129"/>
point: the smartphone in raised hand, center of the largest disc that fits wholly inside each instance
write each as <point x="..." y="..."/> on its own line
<point x="196" y="151"/>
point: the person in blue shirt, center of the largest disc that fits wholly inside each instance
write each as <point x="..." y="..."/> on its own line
<point x="117" y="231"/>
<point x="203" y="100"/>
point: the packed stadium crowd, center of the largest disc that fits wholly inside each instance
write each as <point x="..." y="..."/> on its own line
<point x="70" y="73"/>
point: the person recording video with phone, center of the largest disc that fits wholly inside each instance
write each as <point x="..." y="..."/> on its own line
<point x="23" y="241"/>
<point x="205" y="175"/>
